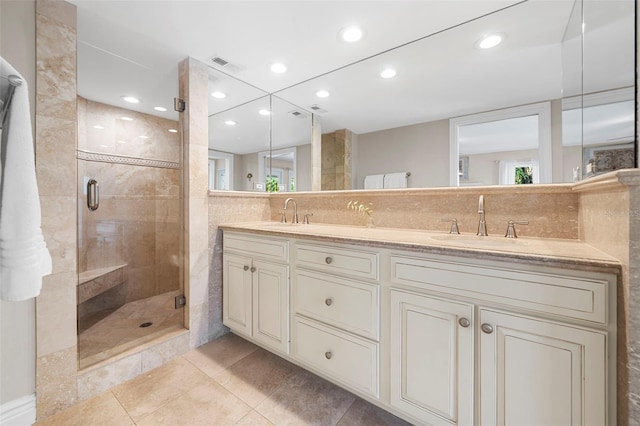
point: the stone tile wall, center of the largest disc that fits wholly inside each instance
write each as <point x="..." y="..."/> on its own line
<point x="56" y="129"/>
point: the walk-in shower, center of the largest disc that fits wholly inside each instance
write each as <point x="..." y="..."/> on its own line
<point x="129" y="224"/>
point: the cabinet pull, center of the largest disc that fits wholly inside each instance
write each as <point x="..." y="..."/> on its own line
<point x="464" y="322"/>
<point x="253" y="269"/>
<point x="328" y="260"/>
<point x="487" y="328"/>
<point x="246" y="268"/>
<point x="328" y="301"/>
<point x="93" y="195"/>
<point x="328" y="355"/>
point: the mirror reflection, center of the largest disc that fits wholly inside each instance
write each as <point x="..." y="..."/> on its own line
<point x="443" y="110"/>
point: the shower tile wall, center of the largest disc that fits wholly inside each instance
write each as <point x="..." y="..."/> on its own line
<point x="137" y="223"/>
<point x="336" y="160"/>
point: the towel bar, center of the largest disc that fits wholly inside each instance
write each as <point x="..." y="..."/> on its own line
<point x="14" y="81"/>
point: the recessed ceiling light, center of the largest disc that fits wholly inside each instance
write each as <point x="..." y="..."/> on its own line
<point x="264" y="112"/>
<point x="322" y="94"/>
<point x="278" y="68"/>
<point x="388" y="73"/>
<point x="491" y="40"/>
<point x="230" y="123"/>
<point x="173" y="131"/>
<point x="126" y="118"/>
<point x="351" y="34"/>
<point x="144" y="137"/>
<point x="161" y="109"/>
<point x="218" y="95"/>
<point x="99" y="127"/>
<point x="131" y="99"/>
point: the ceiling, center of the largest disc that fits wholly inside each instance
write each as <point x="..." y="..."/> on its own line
<point x="133" y="48"/>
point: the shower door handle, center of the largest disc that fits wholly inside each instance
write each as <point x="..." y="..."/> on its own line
<point x="93" y="195"/>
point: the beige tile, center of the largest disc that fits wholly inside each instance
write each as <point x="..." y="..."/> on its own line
<point x="162" y="353"/>
<point x="101" y="410"/>
<point x="150" y="391"/>
<point x="55" y="156"/>
<point x="253" y="419"/>
<point x="96" y="380"/>
<point x="256" y="376"/>
<point x="56" y="58"/>
<point x="59" y="227"/>
<point x="221" y="353"/>
<point x="306" y="399"/>
<point x="60" y="11"/>
<point x="363" y="413"/>
<point x="206" y="404"/>
<point x="56" y="381"/>
<point x="56" y="313"/>
<point x="198" y="324"/>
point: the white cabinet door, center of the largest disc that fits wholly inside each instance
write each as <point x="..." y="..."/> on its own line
<point x="536" y="372"/>
<point x="236" y="293"/>
<point x="432" y="358"/>
<point x="271" y="304"/>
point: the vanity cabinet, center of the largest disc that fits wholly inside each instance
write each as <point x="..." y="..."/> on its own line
<point x="435" y="338"/>
<point x="255" y="289"/>
<point x="432" y="358"/>
<point x="534" y="370"/>
<point x="540" y="372"/>
<point x="336" y="307"/>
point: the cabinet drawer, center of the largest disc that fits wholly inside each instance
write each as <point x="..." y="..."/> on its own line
<point x="578" y="297"/>
<point x="344" y="303"/>
<point x="343" y="357"/>
<point x="362" y="264"/>
<point x="264" y="247"/>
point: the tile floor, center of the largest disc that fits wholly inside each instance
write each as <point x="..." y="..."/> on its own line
<point x="229" y="381"/>
<point x="120" y="330"/>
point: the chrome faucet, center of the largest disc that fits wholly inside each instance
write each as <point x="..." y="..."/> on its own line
<point x="294" y="219"/>
<point x="482" y="225"/>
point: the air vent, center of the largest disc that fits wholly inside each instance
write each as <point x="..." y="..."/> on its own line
<point x="317" y="109"/>
<point x="219" y="61"/>
<point x="298" y="113"/>
<point x="224" y="64"/>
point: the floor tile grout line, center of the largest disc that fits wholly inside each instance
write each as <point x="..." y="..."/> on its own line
<point x="120" y="403"/>
<point x="346" y="411"/>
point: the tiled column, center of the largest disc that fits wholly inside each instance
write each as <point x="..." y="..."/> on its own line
<point x="194" y="124"/>
<point x="56" y="132"/>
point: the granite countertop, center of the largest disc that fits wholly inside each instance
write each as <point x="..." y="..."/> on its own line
<point x="552" y="252"/>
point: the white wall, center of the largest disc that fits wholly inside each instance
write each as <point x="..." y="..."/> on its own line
<point x="303" y="167"/>
<point x="18" y="319"/>
<point x="422" y="149"/>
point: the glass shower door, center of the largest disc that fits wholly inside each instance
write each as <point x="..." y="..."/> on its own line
<point x="129" y="228"/>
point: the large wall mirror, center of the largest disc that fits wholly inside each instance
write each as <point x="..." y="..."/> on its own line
<point x="553" y="102"/>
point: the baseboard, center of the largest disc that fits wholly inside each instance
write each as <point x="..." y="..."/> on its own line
<point x="19" y="412"/>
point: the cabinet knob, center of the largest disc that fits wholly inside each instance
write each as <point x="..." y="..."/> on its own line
<point x="253" y="269"/>
<point x="328" y="260"/>
<point x="487" y="328"/>
<point x="246" y="268"/>
<point x="328" y="301"/>
<point x="328" y="355"/>
<point x="464" y="322"/>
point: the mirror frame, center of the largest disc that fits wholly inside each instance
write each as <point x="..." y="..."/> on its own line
<point x="541" y="109"/>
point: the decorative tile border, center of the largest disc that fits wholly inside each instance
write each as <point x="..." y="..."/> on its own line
<point x="119" y="159"/>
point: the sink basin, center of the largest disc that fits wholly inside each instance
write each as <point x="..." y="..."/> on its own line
<point x="476" y="240"/>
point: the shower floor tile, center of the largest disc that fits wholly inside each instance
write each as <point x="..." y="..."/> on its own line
<point x="120" y="330"/>
<point x="228" y="381"/>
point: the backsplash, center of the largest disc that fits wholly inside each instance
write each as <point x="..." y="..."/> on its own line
<point x="552" y="210"/>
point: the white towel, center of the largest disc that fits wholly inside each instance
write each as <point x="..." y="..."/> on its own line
<point x="24" y="258"/>
<point x="374" y="182"/>
<point x="395" y="180"/>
